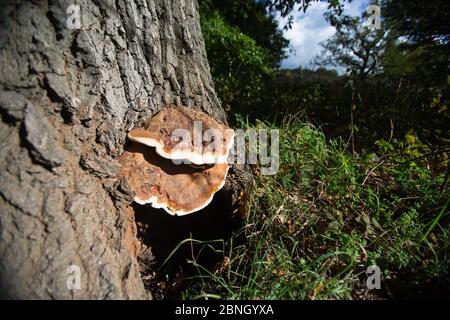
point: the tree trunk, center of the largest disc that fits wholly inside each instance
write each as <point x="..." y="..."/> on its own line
<point x="69" y="92"/>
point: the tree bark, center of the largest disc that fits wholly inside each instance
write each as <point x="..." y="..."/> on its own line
<point x="67" y="98"/>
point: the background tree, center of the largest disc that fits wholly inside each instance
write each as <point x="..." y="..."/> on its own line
<point x="355" y="46"/>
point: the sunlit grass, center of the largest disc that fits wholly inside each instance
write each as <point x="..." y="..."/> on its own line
<point x="315" y="227"/>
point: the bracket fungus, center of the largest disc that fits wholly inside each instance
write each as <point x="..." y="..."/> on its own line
<point x="152" y="161"/>
<point x="181" y="133"/>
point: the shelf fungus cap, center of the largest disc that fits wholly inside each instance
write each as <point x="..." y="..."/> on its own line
<point x="186" y="134"/>
<point x="178" y="189"/>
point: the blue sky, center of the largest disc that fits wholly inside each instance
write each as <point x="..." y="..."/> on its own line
<point x="309" y="29"/>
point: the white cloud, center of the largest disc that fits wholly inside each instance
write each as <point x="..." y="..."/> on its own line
<point x="311" y="28"/>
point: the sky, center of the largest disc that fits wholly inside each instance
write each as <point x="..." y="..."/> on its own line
<point x="311" y="28"/>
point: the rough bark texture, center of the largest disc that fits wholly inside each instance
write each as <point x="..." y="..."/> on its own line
<point x="67" y="98"/>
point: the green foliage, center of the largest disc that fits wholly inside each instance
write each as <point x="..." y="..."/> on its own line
<point x="422" y="54"/>
<point x="238" y="64"/>
<point x="252" y="19"/>
<point x="362" y="111"/>
<point x="243" y="46"/>
<point x="426" y="21"/>
<point x="315" y="227"/>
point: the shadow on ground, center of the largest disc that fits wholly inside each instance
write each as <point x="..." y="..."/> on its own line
<point x="163" y="233"/>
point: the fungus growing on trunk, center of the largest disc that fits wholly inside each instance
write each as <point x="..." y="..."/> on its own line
<point x="181" y="133"/>
<point x="151" y="166"/>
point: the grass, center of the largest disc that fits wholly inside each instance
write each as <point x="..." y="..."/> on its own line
<point x="315" y="227"/>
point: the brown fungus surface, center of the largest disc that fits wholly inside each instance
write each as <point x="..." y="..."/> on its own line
<point x="178" y="189"/>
